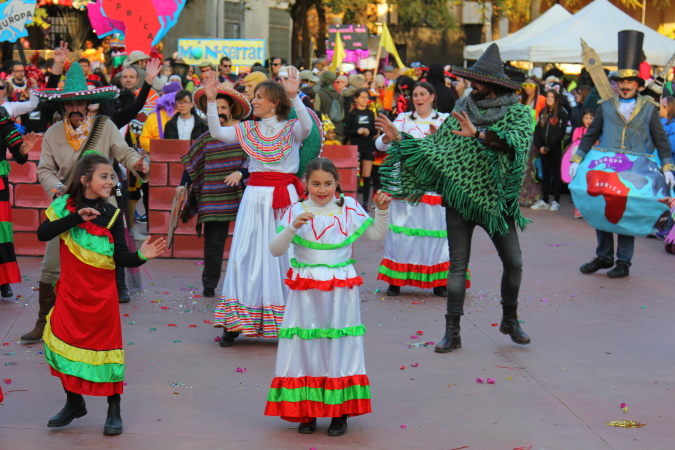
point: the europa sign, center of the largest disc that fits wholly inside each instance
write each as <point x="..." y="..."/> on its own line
<point x="242" y="52"/>
<point x="14" y="15"/>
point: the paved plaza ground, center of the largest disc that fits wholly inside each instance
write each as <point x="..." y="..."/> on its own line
<point x="596" y="343"/>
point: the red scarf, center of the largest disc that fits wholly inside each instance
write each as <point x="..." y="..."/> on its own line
<point x="279" y="181"/>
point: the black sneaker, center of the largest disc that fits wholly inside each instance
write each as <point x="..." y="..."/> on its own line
<point x="208" y="292"/>
<point x="620" y="270"/>
<point x="595" y="265"/>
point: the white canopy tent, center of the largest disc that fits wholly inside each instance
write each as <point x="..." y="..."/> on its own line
<point x="508" y="46"/>
<point x="597" y="24"/>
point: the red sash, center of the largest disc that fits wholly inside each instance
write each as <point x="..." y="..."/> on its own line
<point x="279" y="181"/>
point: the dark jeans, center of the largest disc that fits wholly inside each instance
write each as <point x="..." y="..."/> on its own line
<point x="550" y="166"/>
<point x="215" y="235"/>
<point x="624" y="248"/>
<point x="460" y="232"/>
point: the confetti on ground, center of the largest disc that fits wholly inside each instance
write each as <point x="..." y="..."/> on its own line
<point x="415" y="365"/>
<point x="176" y="341"/>
<point x="241" y="370"/>
<point x="490" y="381"/>
<point x="192" y="326"/>
<point x="625" y="424"/>
<point x="216" y="339"/>
<point x="7" y="380"/>
<point x="414" y="337"/>
<point x="459" y="448"/>
<point x="207" y="321"/>
<point x="504" y="367"/>
<point x="509" y="378"/>
<point x="624" y="407"/>
<point x="404" y="426"/>
<point x="402" y="367"/>
<point x="420" y="333"/>
<point x="172" y="325"/>
<point x="479" y="380"/>
<point x="495" y="324"/>
<point x="451" y="385"/>
<point x="125" y="315"/>
<point x="153" y="329"/>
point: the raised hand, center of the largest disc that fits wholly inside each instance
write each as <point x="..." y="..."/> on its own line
<point x="88" y="214"/>
<point x="292" y="83"/>
<point x="386" y="126"/>
<point x="302" y="219"/>
<point x="60" y="56"/>
<point x="210" y="83"/>
<point x="468" y="129"/>
<point x="29" y="141"/>
<point x="151" y="250"/>
<point x="382" y="200"/>
<point x="152" y="69"/>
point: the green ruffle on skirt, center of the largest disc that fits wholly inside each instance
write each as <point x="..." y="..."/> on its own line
<point x="481" y="183"/>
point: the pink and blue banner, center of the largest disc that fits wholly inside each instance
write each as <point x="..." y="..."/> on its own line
<point x="617" y="192"/>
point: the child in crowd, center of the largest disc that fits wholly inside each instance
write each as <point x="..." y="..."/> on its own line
<point x="577" y="134"/>
<point x="360" y="131"/>
<point x="320" y="369"/>
<point x="83" y="335"/>
<point x="329" y="133"/>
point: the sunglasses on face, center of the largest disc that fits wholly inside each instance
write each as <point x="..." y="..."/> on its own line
<point x="2" y="88"/>
<point x="227" y="65"/>
<point x="529" y="85"/>
<point x="276" y="64"/>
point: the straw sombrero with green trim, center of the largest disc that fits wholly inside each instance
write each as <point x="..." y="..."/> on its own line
<point x="488" y="69"/>
<point x="241" y="107"/>
<point x="75" y="88"/>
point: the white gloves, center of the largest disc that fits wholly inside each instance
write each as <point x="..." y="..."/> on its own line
<point x="668" y="175"/>
<point x="573" y="169"/>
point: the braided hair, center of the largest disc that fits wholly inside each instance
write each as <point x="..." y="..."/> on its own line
<point x="326" y="165"/>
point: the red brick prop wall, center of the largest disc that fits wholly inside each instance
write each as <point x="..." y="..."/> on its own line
<point x="29" y="201"/>
<point x="346" y="160"/>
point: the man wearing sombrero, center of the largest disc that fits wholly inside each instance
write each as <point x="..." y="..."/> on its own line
<point x="475" y="161"/>
<point x="62" y="147"/>
<point x="625" y="123"/>
<point x="215" y="170"/>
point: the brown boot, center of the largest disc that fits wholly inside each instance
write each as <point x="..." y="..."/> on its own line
<point x="46" y="297"/>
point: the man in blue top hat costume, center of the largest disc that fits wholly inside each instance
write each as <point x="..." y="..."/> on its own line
<point x="620" y="171"/>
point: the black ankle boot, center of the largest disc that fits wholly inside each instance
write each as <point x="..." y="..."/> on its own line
<point x="113" y="423"/>
<point x="441" y="291"/>
<point x="75" y="408"/>
<point x="452" y="339"/>
<point x="511" y="326"/>
<point x="6" y="291"/>
<point x="227" y="339"/>
<point x="338" y="426"/>
<point x="307" y="427"/>
<point x="393" y="291"/>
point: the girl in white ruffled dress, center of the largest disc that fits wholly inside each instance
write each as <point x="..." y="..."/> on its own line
<point x="320" y="369"/>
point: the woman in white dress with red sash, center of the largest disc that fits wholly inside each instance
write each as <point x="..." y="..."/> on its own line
<point x="254" y="293"/>
<point x="416" y="249"/>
